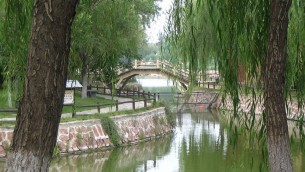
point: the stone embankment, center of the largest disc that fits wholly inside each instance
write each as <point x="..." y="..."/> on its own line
<point x="214" y="101"/>
<point x="90" y="134"/>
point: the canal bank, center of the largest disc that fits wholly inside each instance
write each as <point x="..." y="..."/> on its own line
<point x="79" y="136"/>
<point x="249" y="109"/>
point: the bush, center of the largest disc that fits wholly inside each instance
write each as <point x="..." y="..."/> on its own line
<point x="110" y="128"/>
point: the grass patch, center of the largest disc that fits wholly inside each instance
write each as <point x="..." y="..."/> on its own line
<point x="88" y="101"/>
<point x="7" y="124"/>
<point x="98" y="116"/>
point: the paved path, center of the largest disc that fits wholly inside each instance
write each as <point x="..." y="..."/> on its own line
<point x="125" y="106"/>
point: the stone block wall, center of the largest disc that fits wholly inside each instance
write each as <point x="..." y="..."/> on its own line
<point x="89" y="134"/>
<point x="6" y="137"/>
<point x="81" y="136"/>
<point x="145" y="125"/>
<point x="245" y="103"/>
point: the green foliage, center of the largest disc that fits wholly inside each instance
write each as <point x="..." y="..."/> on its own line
<point x="156" y="120"/>
<point x="110" y="128"/>
<point x="56" y="152"/>
<point x="107" y="35"/>
<point x="149" y="52"/>
<point x="170" y="116"/>
<point x="296" y="51"/>
<point x="236" y="34"/>
<point x="15" y="24"/>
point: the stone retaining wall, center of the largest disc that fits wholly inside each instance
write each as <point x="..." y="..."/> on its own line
<point x="89" y="134"/>
<point x="293" y="113"/>
<point x="245" y="104"/>
<point x="141" y="126"/>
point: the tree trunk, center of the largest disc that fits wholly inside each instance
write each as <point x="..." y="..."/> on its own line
<point x="274" y="81"/>
<point x="85" y="71"/>
<point x="40" y="107"/>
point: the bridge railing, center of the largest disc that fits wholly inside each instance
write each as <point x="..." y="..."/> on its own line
<point x="176" y="71"/>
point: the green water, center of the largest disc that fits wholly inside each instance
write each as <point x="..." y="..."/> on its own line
<point x="200" y="143"/>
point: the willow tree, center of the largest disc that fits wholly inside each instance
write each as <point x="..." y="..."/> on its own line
<point x="252" y="34"/>
<point x="40" y="108"/>
<point x="15" y="33"/>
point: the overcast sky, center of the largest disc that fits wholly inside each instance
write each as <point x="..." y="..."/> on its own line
<point x="157" y="26"/>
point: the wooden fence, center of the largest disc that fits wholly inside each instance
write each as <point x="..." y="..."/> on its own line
<point x="136" y="96"/>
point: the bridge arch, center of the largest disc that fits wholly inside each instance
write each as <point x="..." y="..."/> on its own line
<point x="123" y="79"/>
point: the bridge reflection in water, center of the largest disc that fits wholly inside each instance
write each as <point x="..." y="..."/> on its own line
<point x="199" y="143"/>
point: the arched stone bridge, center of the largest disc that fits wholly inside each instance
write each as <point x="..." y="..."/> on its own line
<point x="176" y="73"/>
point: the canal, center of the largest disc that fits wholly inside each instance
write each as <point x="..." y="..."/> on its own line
<point x="200" y="142"/>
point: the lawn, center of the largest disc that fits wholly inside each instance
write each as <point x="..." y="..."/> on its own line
<point x="89" y="101"/>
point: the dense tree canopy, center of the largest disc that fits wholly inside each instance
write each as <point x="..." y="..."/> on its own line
<point x="108" y="34"/>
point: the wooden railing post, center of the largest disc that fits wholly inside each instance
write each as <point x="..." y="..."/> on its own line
<point x="116" y="105"/>
<point x="73" y="110"/>
<point x="158" y="65"/>
<point x="98" y="107"/>
<point x="104" y="90"/>
<point x="154" y="98"/>
<point x="145" y="102"/>
<point x="133" y="104"/>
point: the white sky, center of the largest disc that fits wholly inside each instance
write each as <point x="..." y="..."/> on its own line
<point x="157" y="26"/>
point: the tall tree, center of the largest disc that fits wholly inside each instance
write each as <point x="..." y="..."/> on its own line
<point x="252" y="34"/>
<point x="274" y="88"/>
<point x="40" y="107"/>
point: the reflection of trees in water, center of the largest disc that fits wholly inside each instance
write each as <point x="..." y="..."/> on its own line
<point x="130" y="157"/>
<point x="212" y="151"/>
<point x="120" y="159"/>
<point x="80" y="162"/>
<point x="205" y="145"/>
